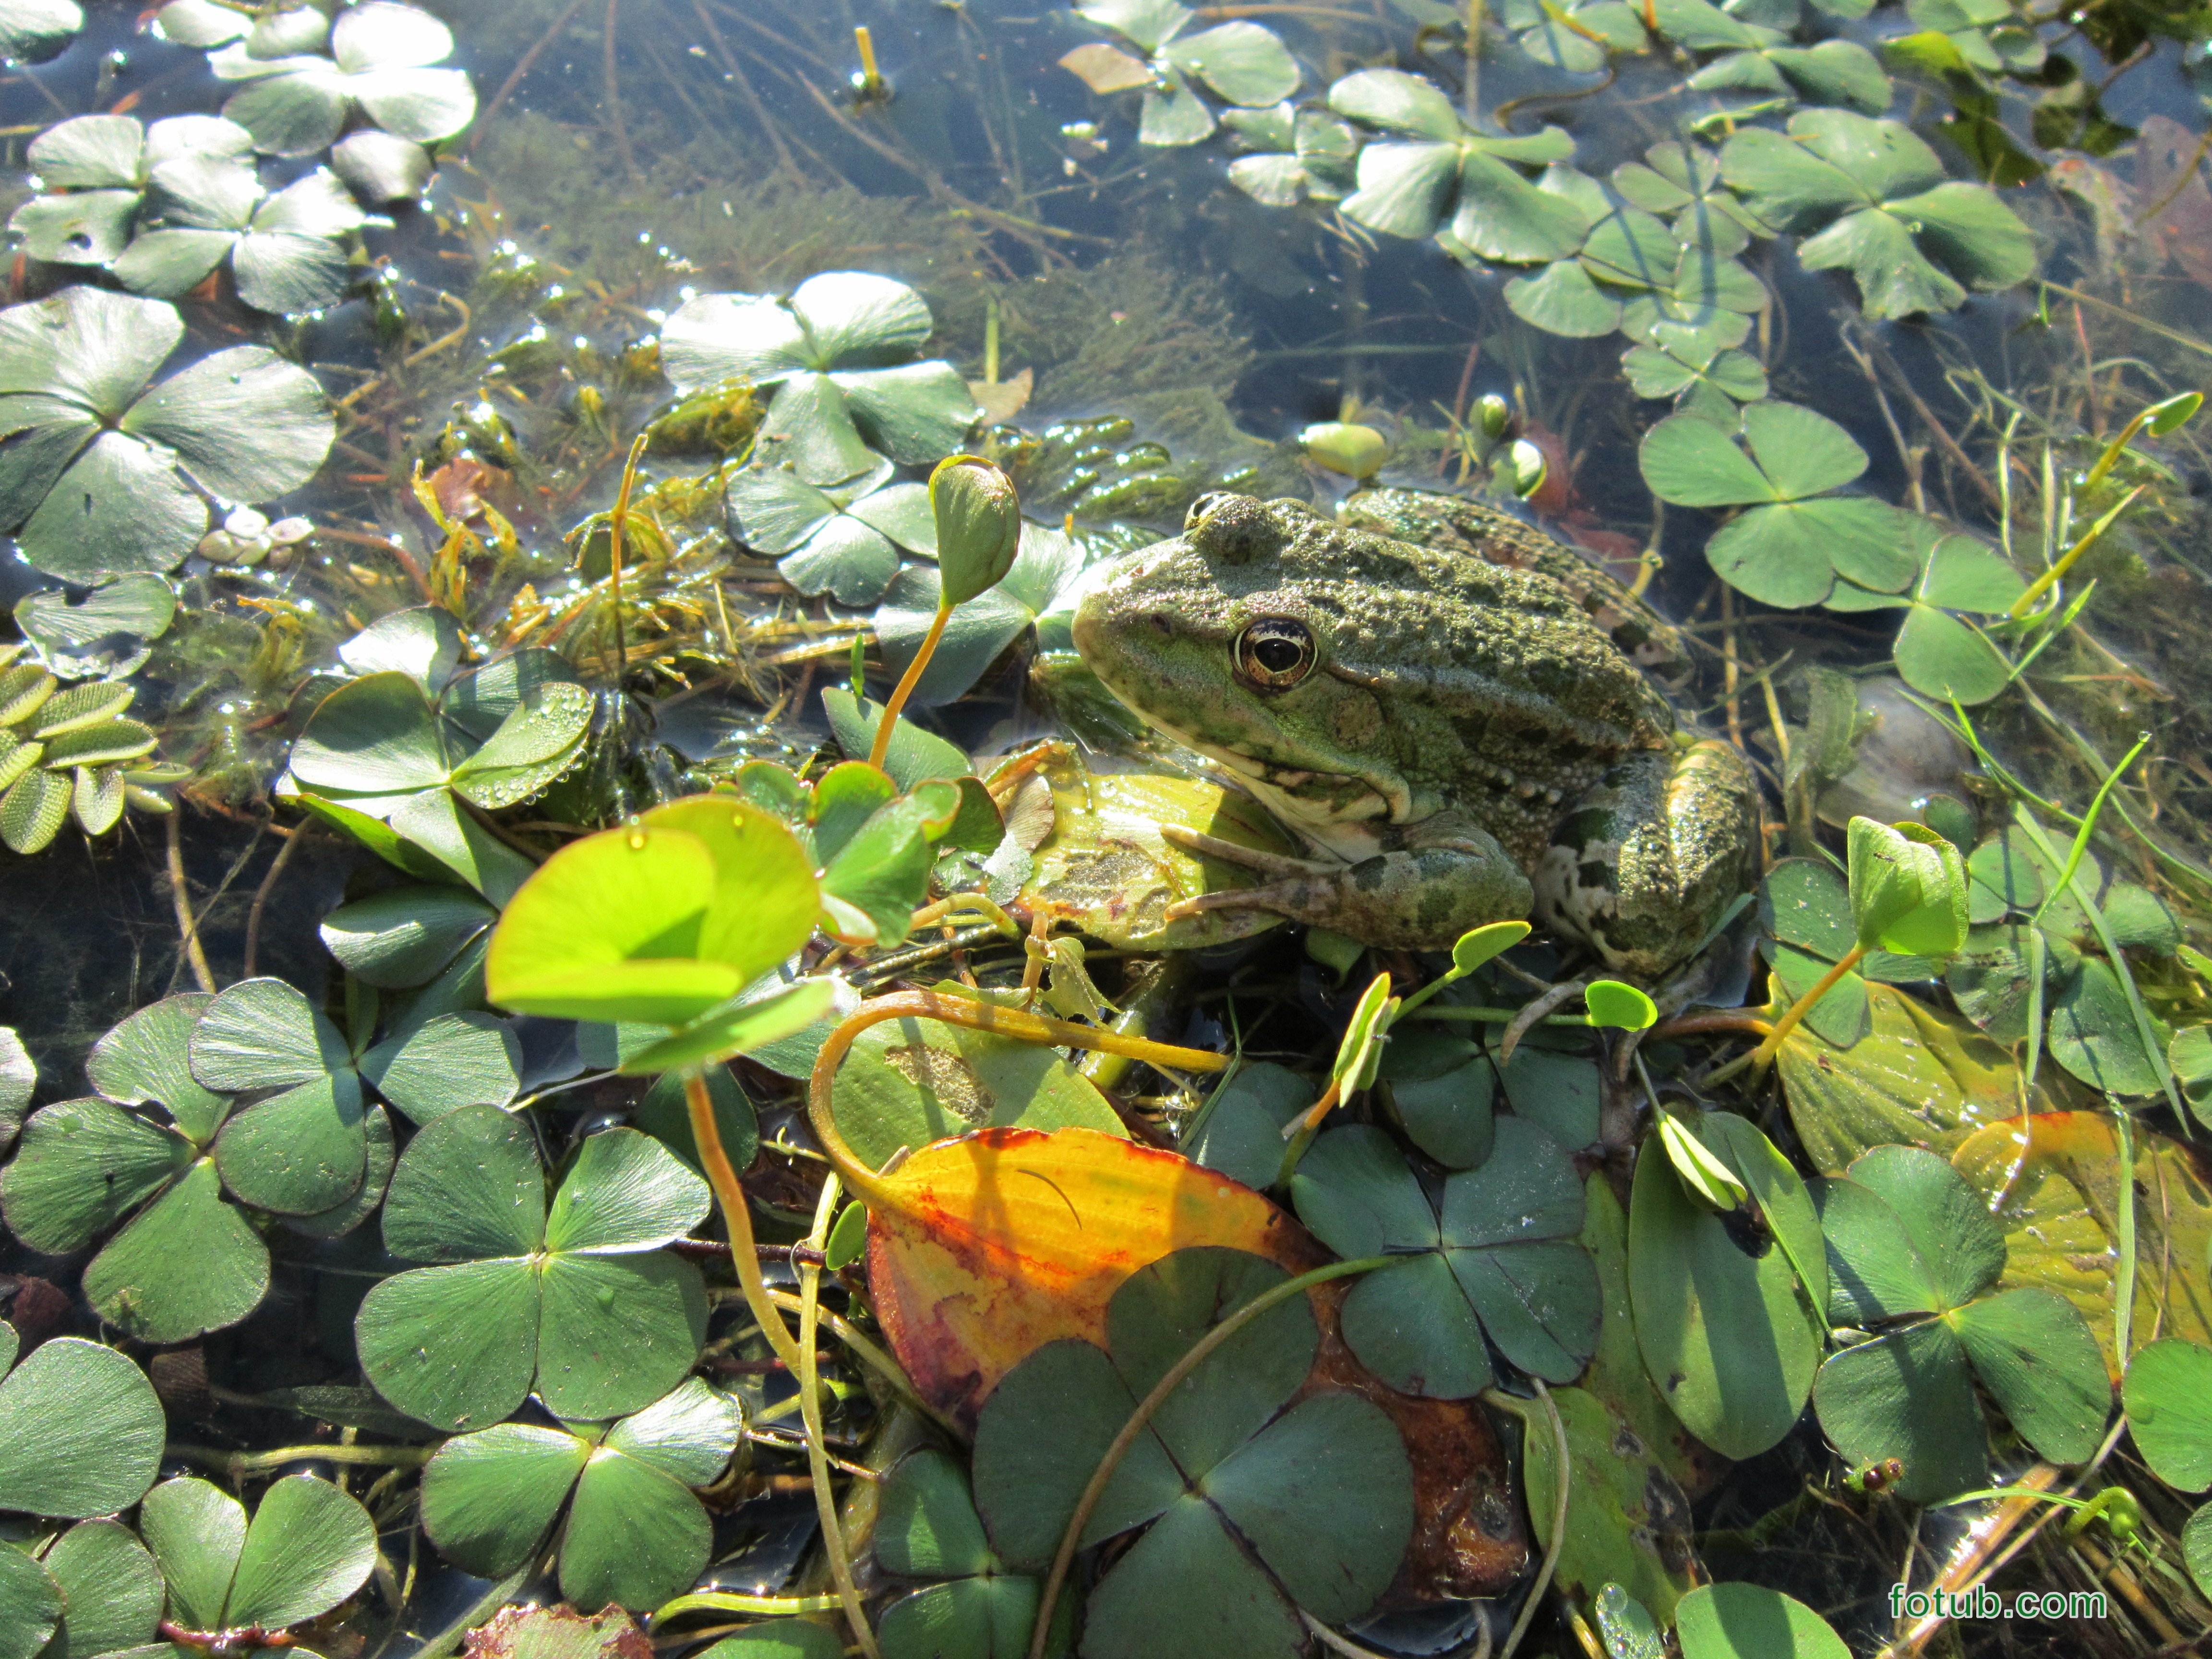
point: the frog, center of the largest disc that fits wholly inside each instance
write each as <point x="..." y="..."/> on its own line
<point x="1455" y="736"/>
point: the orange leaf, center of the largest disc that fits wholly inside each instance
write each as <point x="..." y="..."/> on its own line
<point x="984" y="1249"/>
<point x="1106" y="68"/>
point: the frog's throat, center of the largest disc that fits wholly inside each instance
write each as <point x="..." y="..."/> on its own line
<point x="1342" y="814"/>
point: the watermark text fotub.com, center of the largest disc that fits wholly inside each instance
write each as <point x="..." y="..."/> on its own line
<point x="1983" y="1602"/>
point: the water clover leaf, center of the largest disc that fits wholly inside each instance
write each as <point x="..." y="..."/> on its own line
<point x="927" y="1528"/>
<point x="871" y="846"/>
<point x="1239" y="61"/>
<point x="1909" y="1241"/>
<point x="495" y="737"/>
<point x="633" y="1534"/>
<point x="88" y="475"/>
<point x="840" y="352"/>
<point x="97" y="168"/>
<point x="1254" y="1510"/>
<point x="379" y="63"/>
<point x="111" y="1592"/>
<point x="1750" y="1621"/>
<point x="32" y="31"/>
<point x="287" y="252"/>
<point x="844" y="540"/>
<point x="302" y="1149"/>
<point x="1437" y="173"/>
<point x="577" y="1301"/>
<point x="1990" y="35"/>
<point x="1877" y="196"/>
<point x="1938" y="652"/>
<point x="1578" y="36"/>
<point x="1317" y="163"/>
<point x="1045" y="571"/>
<point x="1794" y="539"/>
<point x="19" y="1081"/>
<point x="1683" y="181"/>
<point x="1702" y="378"/>
<point x="1840" y="72"/>
<point x="185" y="1261"/>
<point x="107" y="633"/>
<point x="405" y="936"/>
<point x="1497" y="1253"/>
<point x="308" y="1548"/>
<point x="80" y="1430"/>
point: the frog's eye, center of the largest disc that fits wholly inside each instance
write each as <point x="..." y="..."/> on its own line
<point x="1274" y="653"/>
<point x="1204" y="505"/>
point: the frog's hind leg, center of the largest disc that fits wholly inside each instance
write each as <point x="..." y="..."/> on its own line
<point x="1647" y="862"/>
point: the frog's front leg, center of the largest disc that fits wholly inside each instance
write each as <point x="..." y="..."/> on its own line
<point x="1442" y="878"/>
<point x="1648" y="861"/>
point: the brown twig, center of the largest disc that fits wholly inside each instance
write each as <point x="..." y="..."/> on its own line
<point x="261" y="899"/>
<point x="187" y="928"/>
<point x="527" y="62"/>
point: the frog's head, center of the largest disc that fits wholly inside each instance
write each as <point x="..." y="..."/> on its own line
<point x="1226" y="638"/>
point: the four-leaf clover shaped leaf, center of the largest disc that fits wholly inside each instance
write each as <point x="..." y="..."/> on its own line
<point x="89" y="479"/>
<point x="1437" y="176"/>
<point x="1876" y="197"/>
<point x="286" y="251"/>
<point x="1794" y="539"/>
<point x="575" y="1300"/>
<point x="844" y="540"/>
<point x="839" y="353"/>
<point x="380" y="62"/>
<point x="633" y="1533"/>
<point x="1915" y="1256"/>
<point x="97" y="167"/>
<point x="1497" y="1254"/>
<point x="1254" y="1507"/>
<point x="1241" y="61"/>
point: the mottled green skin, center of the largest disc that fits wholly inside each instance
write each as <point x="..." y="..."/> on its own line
<point x="1468" y="745"/>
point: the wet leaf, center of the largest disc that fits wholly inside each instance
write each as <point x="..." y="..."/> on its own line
<point x="110" y="1590"/>
<point x="2168" y="1394"/>
<point x="1749" y="1621"/>
<point x="80" y="1430"/>
<point x="379" y="61"/>
<point x="309" y="1548"/>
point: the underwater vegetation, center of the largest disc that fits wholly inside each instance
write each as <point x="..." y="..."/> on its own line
<point x="697" y="1082"/>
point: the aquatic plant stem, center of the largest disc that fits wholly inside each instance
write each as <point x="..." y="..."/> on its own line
<point x="188" y="929"/>
<point x="756" y="1607"/>
<point x="614" y="100"/>
<point x="1071" y="1539"/>
<point x="989" y="1017"/>
<point x="617" y="521"/>
<point x="2090" y="537"/>
<point x="1763" y="1055"/>
<point x="737" y="1217"/>
<point x="810" y="1412"/>
<point x="882" y="745"/>
<point x="1535" y="1597"/>
<point x="523" y="66"/>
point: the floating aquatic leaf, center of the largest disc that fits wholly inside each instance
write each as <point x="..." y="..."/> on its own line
<point x="111" y="1590"/>
<point x="1840" y="72"/>
<point x="633" y="1534"/>
<point x="1882" y="208"/>
<point x="1577" y="37"/>
<point x="308" y="1547"/>
<point x="1938" y="652"/>
<point x="870" y="847"/>
<point x="65" y="751"/>
<point x="1321" y="1493"/>
<point x="1436" y="173"/>
<point x="1749" y="1621"/>
<point x="1797" y="538"/>
<point x="32" y="31"/>
<point x="1495" y="1255"/>
<point x="1239" y="61"/>
<point x="107" y="634"/>
<point x="287" y="252"/>
<point x="379" y="64"/>
<point x="1318" y="163"/>
<point x="845" y="540"/>
<point x="92" y="489"/>
<point x="840" y="352"/>
<point x="927" y="1528"/>
<point x="577" y="1301"/>
<point x="99" y="166"/>
<point x="1909" y="1239"/>
<point x="81" y="1429"/>
<point x="1044" y="572"/>
<point x="1989" y="35"/>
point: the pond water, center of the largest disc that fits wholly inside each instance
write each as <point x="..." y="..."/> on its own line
<point x="561" y="467"/>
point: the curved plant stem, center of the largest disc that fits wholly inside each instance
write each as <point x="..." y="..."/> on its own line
<point x="1535" y="1598"/>
<point x="1072" y="1538"/>
<point x="619" y="520"/>
<point x="1763" y="1055"/>
<point x="810" y="1411"/>
<point x="737" y="1216"/>
<point x="871" y="1188"/>
<point x="758" y="1607"/>
<point x="187" y="929"/>
<point x="882" y="745"/>
<point x="877" y="1361"/>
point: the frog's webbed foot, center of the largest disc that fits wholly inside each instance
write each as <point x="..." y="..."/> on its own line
<point x="1650" y="859"/>
<point x="1293" y="878"/>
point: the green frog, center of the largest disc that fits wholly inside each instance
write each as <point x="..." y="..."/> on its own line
<point x="1454" y="717"/>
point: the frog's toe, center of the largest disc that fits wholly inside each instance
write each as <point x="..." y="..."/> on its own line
<point x="1281" y="865"/>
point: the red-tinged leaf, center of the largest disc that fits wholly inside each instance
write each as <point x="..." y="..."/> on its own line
<point x="1106" y="68"/>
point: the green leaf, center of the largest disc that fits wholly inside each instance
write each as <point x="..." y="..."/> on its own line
<point x="309" y="1547"/>
<point x="82" y="1166"/>
<point x="625" y="1192"/>
<point x="404" y="935"/>
<point x="489" y="1498"/>
<point x="186" y="1264"/>
<point x="196" y="1531"/>
<point x="2168" y="1394"/>
<point x="1622" y="1008"/>
<point x="1749" y="1621"/>
<point x="1241" y="61"/>
<point x="660" y="922"/>
<point x="30" y="1605"/>
<point x="2035" y="1354"/>
<point x="1907" y="1395"/>
<point x="448" y="1061"/>
<point x="927" y="1526"/>
<point x="81" y="1431"/>
<point x="110" y="1590"/>
<point x="1563" y="300"/>
<point x="1046" y="570"/>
